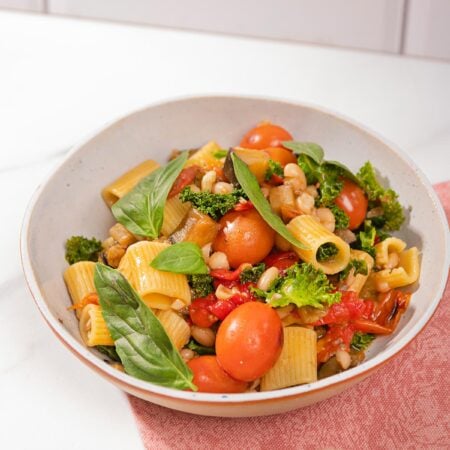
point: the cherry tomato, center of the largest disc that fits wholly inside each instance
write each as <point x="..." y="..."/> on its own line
<point x="281" y="260"/>
<point x="353" y="201"/>
<point x="200" y="314"/>
<point x="281" y="155"/>
<point x="249" y="341"/>
<point x="210" y="377"/>
<point x="244" y="237"/>
<point x="185" y="178"/>
<point x="264" y="136"/>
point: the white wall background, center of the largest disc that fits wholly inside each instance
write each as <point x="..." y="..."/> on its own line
<point x="412" y="27"/>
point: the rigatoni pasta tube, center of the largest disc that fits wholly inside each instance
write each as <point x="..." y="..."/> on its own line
<point x="310" y="232"/>
<point x="405" y="274"/>
<point x="93" y="327"/>
<point x="360" y="279"/>
<point x="206" y="157"/>
<point x="297" y="363"/>
<point x="79" y="278"/>
<point x="158" y="289"/>
<point x="176" y="327"/>
<point x="118" y="188"/>
<point x="174" y="213"/>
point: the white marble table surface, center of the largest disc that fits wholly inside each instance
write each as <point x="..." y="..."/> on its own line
<point x="60" y="79"/>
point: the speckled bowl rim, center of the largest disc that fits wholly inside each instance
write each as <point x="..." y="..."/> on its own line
<point x="131" y="384"/>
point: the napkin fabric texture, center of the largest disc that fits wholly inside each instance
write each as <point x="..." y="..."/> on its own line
<point x="403" y="405"/>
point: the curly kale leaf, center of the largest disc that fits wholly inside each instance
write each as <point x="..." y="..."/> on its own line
<point x="359" y="266"/>
<point x="393" y="215"/>
<point x="302" y="285"/>
<point x="342" y="220"/>
<point x="215" y="205"/>
<point x="326" y="251"/>
<point x="201" y="285"/>
<point x="79" y="248"/>
<point x="361" y="341"/>
<point x="252" y="274"/>
<point x="273" y="168"/>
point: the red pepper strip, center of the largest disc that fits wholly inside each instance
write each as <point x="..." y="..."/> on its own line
<point x="276" y="180"/>
<point x="367" y="326"/>
<point x="281" y="260"/>
<point x="244" y="206"/>
<point x="89" y="299"/>
<point x="226" y="275"/>
<point x="185" y="178"/>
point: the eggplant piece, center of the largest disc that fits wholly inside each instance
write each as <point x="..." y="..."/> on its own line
<point x="331" y="367"/>
<point x="198" y="228"/>
<point x="228" y="169"/>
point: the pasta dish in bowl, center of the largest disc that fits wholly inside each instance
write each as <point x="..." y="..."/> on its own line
<point x="246" y="277"/>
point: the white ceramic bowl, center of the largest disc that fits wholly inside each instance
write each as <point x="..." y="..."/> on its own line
<point x="69" y="203"/>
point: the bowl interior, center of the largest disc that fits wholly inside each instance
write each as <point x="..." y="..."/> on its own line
<point x="69" y="203"/>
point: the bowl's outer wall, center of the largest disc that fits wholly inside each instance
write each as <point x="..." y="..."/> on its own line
<point x="70" y="202"/>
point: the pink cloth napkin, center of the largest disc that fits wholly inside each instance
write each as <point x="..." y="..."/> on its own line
<point x="405" y="404"/>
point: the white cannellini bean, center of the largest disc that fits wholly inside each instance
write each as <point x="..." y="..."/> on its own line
<point x="208" y="181"/>
<point x="177" y="304"/>
<point x="187" y="354"/>
<point x="204" y="336"/>
<point x="293" y="170"/>
<point x="346" y="235"/>
<point x="218" y="260"/>
<point x="206" y="251"/>
<point x="265" y="191"/>
<point x="326" y="218"/>
<point x="344" y="359"/>
<point x="297" y="185"/>
<point x="224" y="293"/>
<point x="222" y="188"/>
<point x="305" y="203"/>
<point x="312" y="190"/>
<point x="267" y="278"/>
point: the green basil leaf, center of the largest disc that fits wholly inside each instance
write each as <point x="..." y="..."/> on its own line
<point x="109" y="351"/>
<point x="184" y="257"/>
<point x="345" y="171"/>
<point x="141" y="342"/>
<point x="250" y="185"/>
<point x="141" y="211"/>
<point x="314" y="151"/>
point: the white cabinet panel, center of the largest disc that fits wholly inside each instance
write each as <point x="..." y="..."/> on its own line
<point x="28" y="5"/>
<point x="364" y="24"/>
<point x="428" y="28"/>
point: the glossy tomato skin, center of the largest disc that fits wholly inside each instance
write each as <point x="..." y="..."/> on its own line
<point x="249" y="341"/>
<point x="281" y="155"/>
<point x="244" y="237"/>
<point x="264" y="136"/>
<point x="353" y="201"/>
<point x="210" y="377"/>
